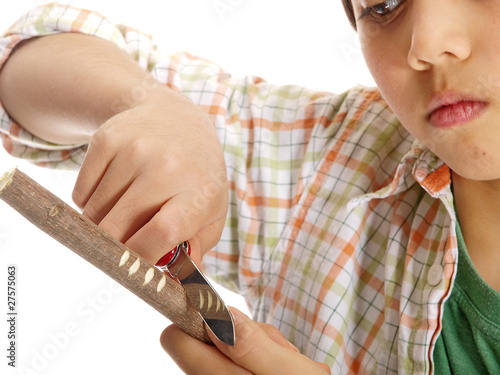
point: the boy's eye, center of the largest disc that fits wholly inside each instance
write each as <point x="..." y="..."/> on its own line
<point x="381" y="11"/>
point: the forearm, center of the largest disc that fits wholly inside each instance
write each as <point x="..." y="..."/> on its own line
<point x="62" y="87"/>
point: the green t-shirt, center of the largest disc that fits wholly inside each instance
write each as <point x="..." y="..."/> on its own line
<point x="470" y="341"/>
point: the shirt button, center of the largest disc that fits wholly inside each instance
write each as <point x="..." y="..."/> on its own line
<point x="435" y="274"/>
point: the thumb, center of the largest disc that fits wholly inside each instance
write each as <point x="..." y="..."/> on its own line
<point x="255" y="351"/>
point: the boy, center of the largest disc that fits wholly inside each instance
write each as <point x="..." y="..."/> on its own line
<point x="341" y="230"/>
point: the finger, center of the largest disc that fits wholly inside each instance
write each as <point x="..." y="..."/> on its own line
<point x="171" y="225"/>
<point x="256" y="351"/>
<point x="134" y="209"/>
<point x="275" y="335"/>
<point x="111" y="188"/>
<point x="141" y="200"/>
<point x="142" y="188"/>
<point x="194" y="357"/>
<point x="206" y="239"/>
<point x="93" y="168"/>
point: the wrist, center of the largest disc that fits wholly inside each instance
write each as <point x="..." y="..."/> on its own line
<point x="138" y="92"/>
<point x="130" y="96"/>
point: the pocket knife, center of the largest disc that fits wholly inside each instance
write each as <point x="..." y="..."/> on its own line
<point x="200" y="294"/>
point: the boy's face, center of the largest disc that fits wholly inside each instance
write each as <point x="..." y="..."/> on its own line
<point x="437" y="63"/>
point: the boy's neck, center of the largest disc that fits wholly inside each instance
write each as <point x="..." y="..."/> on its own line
<point x="478" y="209"/>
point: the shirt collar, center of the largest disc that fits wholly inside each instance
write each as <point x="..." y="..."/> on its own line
<point x="418" y="165"/>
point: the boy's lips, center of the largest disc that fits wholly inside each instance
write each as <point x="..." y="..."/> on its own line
<point x="452" y="108"/>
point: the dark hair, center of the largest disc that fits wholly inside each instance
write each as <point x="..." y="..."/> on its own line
<point x="350" y="12"/>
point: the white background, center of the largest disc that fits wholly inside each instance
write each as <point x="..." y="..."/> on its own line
<point x="308" y="43"/>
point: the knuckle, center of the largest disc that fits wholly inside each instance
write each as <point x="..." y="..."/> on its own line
<point x="212" y="194"/>
<point x="246" y="350"/>
<point x="101" y="138"/>
<point x="200" y="201"/>
<point x="104" y="141"/>
<point x="110" y="228"/>
<point x="213" y="232"/>
<point x="167" y="230"/>
<point x="138" y="148"/>
<point x="212" y="189"/>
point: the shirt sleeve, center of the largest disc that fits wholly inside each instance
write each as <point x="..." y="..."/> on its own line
<point x="51" y="19"/>
<point x="273" y="136"/>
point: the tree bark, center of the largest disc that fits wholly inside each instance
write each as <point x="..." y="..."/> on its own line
<point x="79" y="234"/>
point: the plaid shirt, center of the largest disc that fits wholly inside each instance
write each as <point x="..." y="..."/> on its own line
<point x="340" y="229"/>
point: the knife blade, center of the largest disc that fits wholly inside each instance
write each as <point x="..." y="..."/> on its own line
<point x="200" y="293"/>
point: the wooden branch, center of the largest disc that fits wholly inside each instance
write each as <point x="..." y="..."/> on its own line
<point x="76" y="232"/>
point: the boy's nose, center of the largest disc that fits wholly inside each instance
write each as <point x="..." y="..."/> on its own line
<point x="439" y="33"/>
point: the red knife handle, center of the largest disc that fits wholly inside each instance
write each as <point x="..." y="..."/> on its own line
<point x="169" y="258"/>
